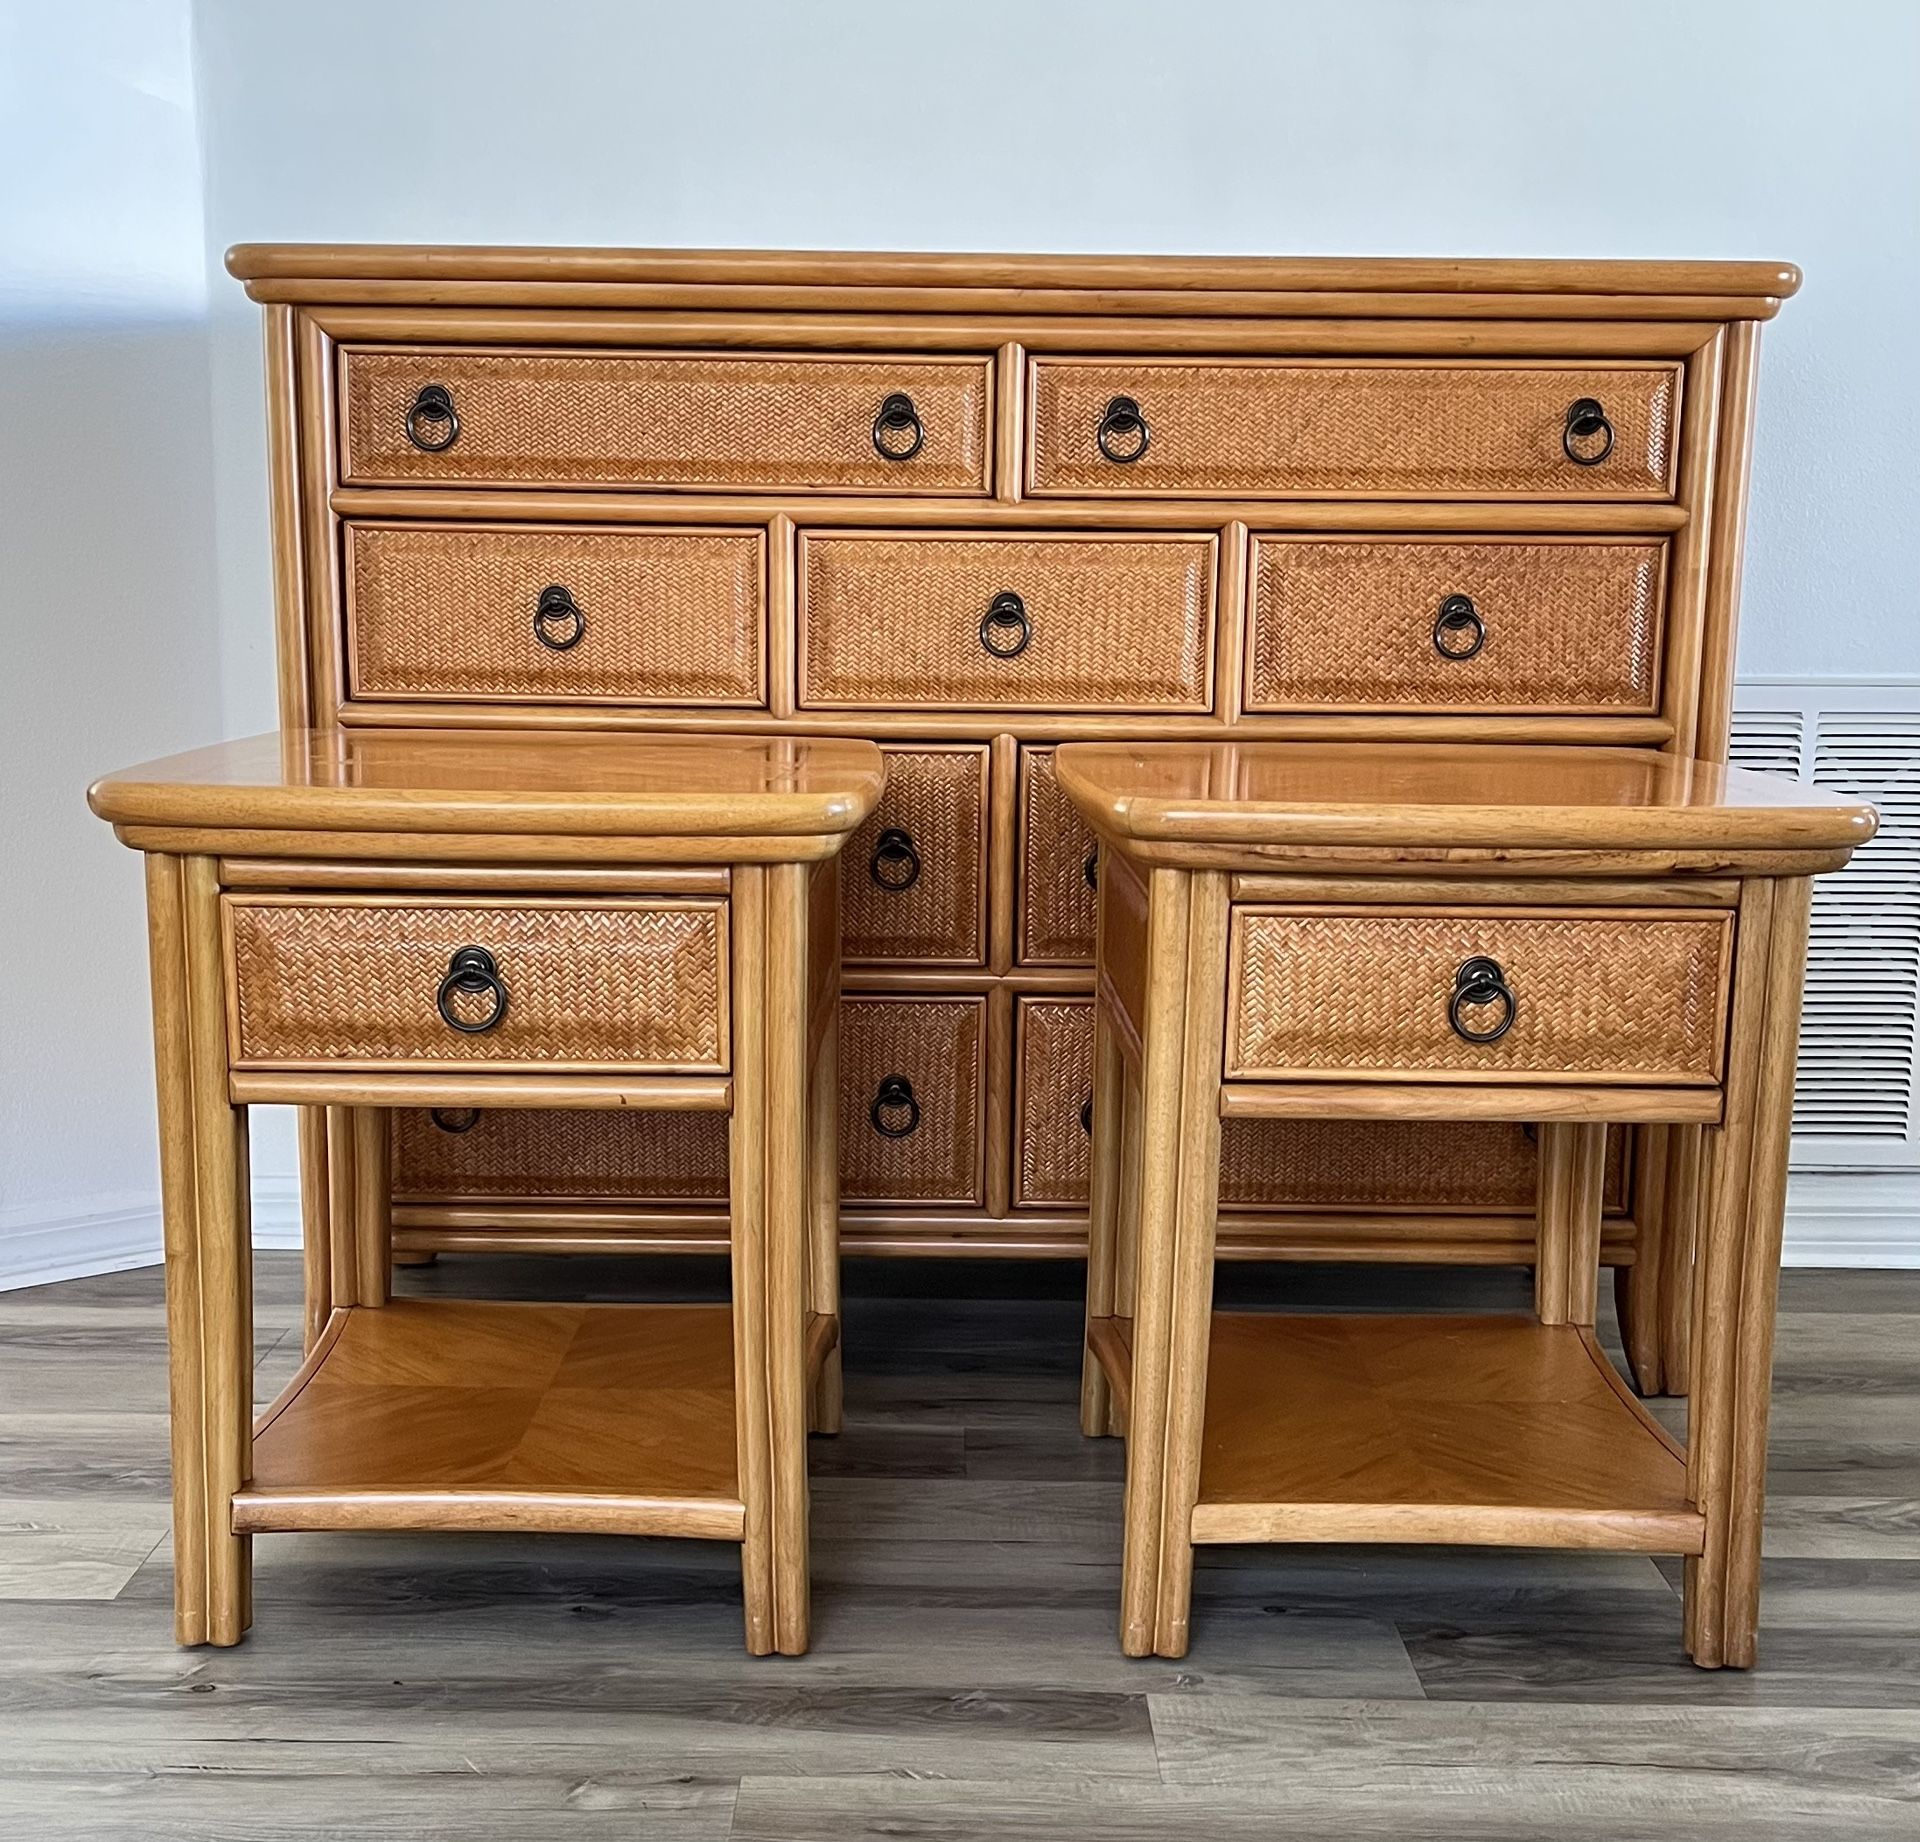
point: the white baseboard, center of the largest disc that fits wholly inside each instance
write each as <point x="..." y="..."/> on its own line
<point x="1853" y="1218"/>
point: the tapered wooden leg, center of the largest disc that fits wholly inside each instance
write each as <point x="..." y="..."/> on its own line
<point x="1636" y="1287"/>
<point x="1096" y="1398"/>
<point x="1739" y="1276"/>
<point x="1126" y="1237"/>
<point x="316" y="1241"/>
<point x="823" y="1217"/>
<point x="1682" y="1213"/>
<point x="203" y="1175"/>
<point x="372" y="1204"/>
<point x="1571" y="1195"/>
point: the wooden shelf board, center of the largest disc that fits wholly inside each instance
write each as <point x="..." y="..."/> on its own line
<point x="462" y="1414"/>
<point x="1494" y="1431"/>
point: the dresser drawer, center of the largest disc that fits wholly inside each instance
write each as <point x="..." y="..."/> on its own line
<point x="1006" y="623"/>
<point x="523" y="613"/>
<point x="1058" y="874"/>
<point x="1053" y="1102"/>
<point x="1549" y="626"/>
<point x="913" y="878"/>
<point x="1387" y="428"/>
<point x="911" y="1088"/>
<point x="369" y="982"/>
<point x="1614" y="996"/>
<point x="705" y="421"/>
<point x="450" y="1154"/>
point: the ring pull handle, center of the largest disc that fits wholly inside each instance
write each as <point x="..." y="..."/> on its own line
<point x="892" y="1099"/>
<point x="1004" y="627"/>
<point x="898" y="432"/>
<point x="454" y="1119"/>
<point x="1086" y="1116"/>
<point x="1478" y="983"/>
<point x="430" y="412"/>
<point x="1586" y="424"/>
<point x="1458" y="630"/>
<point x="1091" y="868"/>
<point x="558" y="623"/>
<point x="471" y="973"/>
<point x="896" y="864"/>
<point x="1123" y="435"/>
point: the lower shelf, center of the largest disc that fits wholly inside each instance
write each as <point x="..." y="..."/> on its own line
<point x="595" y="1419"/>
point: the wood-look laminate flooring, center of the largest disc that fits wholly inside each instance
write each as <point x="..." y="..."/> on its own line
<point x="964" y="1680"/>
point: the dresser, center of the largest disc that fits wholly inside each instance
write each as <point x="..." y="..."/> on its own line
<point x="973" y="507"/>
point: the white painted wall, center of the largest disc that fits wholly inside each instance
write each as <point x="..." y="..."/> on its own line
<point x="1764" y="128"/>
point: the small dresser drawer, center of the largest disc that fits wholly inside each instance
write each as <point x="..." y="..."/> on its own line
<point x="702" y="421"/>
<point x="372" y="982"/>
<point x="1386" y="428"/>
<point x="1059" y="876"/>
<point x="1533" y="995"/>
<point x="911" y="1091"/>
<point x="573" y="1154"/>
<point x="1053" y="1102"/>
<point x="1006" y="623"/>
<point x="1543" y="625"/>
<point x="521" y="613"/>
<point x="913" y="878"/>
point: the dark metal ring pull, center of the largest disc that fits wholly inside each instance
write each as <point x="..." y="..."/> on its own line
<point x="455" y="1119"/>
<point x="1458" y="630"/>
<point x="434" y="404"/>
<point x="470" y="972"/>
<point x="558" y="623"/>
<point x="894" y="1096"/>
<point x="896" y="864"/>
<point x="1004" y="627"/>
<point x="1123" y="435"/>
<point x="1479" y="982"/>
<point x="1091" y="868"/>
<point x="1086" y="1116"/>
<point x="1587" y="423"/>
<point x="897" y="430"/>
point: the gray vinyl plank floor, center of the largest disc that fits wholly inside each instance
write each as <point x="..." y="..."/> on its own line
<point x="964" y="1681"/>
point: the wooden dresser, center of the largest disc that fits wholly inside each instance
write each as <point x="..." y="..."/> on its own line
<point x="972" y="506"/>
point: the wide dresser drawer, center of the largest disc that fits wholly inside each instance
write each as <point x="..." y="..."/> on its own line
<point x="1383" y="428"/>
<point x="1006" y="623"/>
<point x="559" y="1155"/>
<point x="562" y="614"/>
<point x="1539" y="625"/>
<point x="422" y="982"/>
<point x="1532" y="995"/>
<point x="701" y="421"/>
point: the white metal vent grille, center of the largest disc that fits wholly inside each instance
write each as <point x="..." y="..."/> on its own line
<point x="1854" y="1104"/>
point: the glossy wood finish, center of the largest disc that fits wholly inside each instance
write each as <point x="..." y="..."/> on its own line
<point x="1398" y="1429"/>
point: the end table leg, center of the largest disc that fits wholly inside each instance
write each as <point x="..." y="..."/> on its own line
<point x="823" y="1215"/>
<point x="1571" y="1197"/>
<point x="1096" y="1398"/>
<point x="316" y="1241"/>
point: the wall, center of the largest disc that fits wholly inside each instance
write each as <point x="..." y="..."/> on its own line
<point x="111" y="641"/>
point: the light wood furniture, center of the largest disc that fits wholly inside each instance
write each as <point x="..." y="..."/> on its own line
<point x="971" y="506"/>
<point x="362" y="922"/>
<point x="1462" y="933"/>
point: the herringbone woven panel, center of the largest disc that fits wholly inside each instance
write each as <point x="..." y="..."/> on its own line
<point x="1056" y="900"/>
<point x="1607" y="995"/>
<point x="1569" y="626"/>
<point x="1394" y="429"/>
<point x="670" y="617"/>
<point x="1117" y="623"/>
<point x="627" y="985"/>
<point x="938" y="797"/>
<point x="643" y="419"/>
<point x="935" y="1043"/>
<point x="570" y="1153"/>
<point x="1055" y="1037"/>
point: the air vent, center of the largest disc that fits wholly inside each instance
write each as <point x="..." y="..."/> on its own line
<point x="1859" y="1053"/>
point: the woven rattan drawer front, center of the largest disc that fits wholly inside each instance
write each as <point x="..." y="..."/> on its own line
<point x="911" y="1095"/>
<point x="517" y="613"/>
<point x="1053" y="1101"/>
<point x="1097" y="623"/>
<point x="1383" y="624"/>
<point x="704" y="421"/>
<point x="913" y="878"/>
<point x="1596" y="996"/>
<point x="1387" y="428"/>
<point x="1058" y="872"/>
<point x="359" y="981"/>
<point x="571" y="1155"/>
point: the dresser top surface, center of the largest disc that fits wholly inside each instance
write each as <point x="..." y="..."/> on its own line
<point x="604" y="786"/>
<point x="1433" y="796"/>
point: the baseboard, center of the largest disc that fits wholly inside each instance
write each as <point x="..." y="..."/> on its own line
<point x="1853" y="1218"/>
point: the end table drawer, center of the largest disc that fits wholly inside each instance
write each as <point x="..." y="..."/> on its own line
<point x="423" y="982"/>
<point x="1496" y="995"/>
